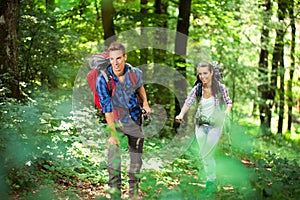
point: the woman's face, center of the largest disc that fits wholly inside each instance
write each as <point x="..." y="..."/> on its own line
<point x="205" y="75"/>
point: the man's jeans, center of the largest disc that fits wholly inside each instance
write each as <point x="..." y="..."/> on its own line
<point x="135" y="137"/>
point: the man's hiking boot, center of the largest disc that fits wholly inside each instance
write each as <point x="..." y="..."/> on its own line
<point x="115" y="193"/>
<point x="134" y="190"/>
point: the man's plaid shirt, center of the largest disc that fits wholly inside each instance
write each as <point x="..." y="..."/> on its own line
<point x="125" y="100"/>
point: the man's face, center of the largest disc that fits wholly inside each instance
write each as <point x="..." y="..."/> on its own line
<point x="117" y="60"/>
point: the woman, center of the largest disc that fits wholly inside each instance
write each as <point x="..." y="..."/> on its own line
<point x="209" y="116"/>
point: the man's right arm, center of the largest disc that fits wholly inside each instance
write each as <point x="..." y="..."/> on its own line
<point x="113" y="139"/>
<point x="105" y="101"/>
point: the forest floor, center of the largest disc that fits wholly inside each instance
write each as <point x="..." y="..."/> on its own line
<point x="87" y="190"/>
<point x="178" y="180"/>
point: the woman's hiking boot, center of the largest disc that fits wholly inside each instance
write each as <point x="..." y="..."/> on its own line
<point x="211" y="188"/>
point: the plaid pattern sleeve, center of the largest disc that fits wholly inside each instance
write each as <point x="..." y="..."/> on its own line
<point x="139" y="75"/>
<point x="191" y="97"/>
<point x="135" y="109"/>
<point x="105" y="99"/>
<point x="225" y="95"/>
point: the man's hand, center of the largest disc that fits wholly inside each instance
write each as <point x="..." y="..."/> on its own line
<point x="147" y="109"/>
<point x="113" y="140"/>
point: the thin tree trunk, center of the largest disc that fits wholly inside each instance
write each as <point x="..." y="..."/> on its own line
<point x="160" y="9"/>
<point x="263" y="88"/>
<point x="278" y="64"/>
<point x="144" y="23"/>
<point x="281" y="94"/>
<point x="9" y="23"/>
<point x="292" y="67"/>
<point x="183" y="24"/>
<point x="45" y="79"/>
<point x="50" y="5"/>
<point x="108" y="12"/>
<point x="162" y="94"/>
<point x="98" y="18"/>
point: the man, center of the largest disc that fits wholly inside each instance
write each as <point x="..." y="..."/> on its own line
<point x="123" y="115"/>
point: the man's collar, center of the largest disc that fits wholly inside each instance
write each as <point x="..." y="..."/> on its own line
<point x="110" y="69"/>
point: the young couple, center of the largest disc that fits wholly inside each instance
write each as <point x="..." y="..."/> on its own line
<point x="123" y="112"/>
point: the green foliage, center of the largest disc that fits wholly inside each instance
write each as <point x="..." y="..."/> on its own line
<point x="4" y="91"/>
<point x="45" y="46"/>
<point x="50" y="155"/>
<point x="47" y="153"/>
<point x="22" y="142"/>
<point x="277" y="178"/>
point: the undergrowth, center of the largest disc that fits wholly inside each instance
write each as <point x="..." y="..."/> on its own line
<point x="44" y="153"/>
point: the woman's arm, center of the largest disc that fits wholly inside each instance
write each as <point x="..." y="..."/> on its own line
<point x="228" y="109"/>
<point x="187" y="104"/>
<point x="184" y="110"/>
<point x="226" y="99"/>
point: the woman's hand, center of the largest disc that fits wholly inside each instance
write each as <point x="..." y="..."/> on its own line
<point x="179" y="118"/>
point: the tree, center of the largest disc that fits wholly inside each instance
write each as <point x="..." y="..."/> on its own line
<point x="108" y="11"/>
<point x="160" y="56"/>
<point x="292" y="67"/>
<point x="9" y="22"/>
<point x="50" y="5"/>
<point x="182" y="31"/>
<point x="265" y="104"/>
<point x="278" y="63"/>
<point x="183" y="24"/>
<point x="144" y="23"/>
<point x="160" y="10"/>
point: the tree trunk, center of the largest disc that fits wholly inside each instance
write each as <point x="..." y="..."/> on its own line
<point x="181" y="40"/>
<point x="45" y="79"/>
<point x="292" y="67"/>
<point x="278" y="64"/>
<point x="281" y="94"/>
<point x="50" y="5"/>
<point x="163" y="95"/>
<point x="108" y="12"/>
<point x="161" y="34"/>
<point x="183" y="24"/>
<point x="144" y="23"/>
<point x="9" y="23"/>
<point x="264" y="105"/>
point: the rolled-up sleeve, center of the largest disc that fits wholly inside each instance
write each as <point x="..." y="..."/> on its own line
<point x="225" y="94"/>
<point x="191" y="97"/>
<point x="103" y="93"/>
<point x="139" y="75"/>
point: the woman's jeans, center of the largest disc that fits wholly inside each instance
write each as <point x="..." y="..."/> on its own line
<point x="207" y="138"/>
<point x="135" y="137"/>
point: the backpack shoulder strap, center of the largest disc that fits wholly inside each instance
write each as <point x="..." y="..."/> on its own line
<point x="199" y="90"/>
<point x="109" y="81"/>
<point x="105" y="75"/>
<point x="132" y="75"/>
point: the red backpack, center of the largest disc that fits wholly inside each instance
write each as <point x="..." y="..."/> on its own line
<point x="99" y="64"/>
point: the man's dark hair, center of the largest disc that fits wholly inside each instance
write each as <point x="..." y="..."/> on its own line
<point x="115" y="46"/>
